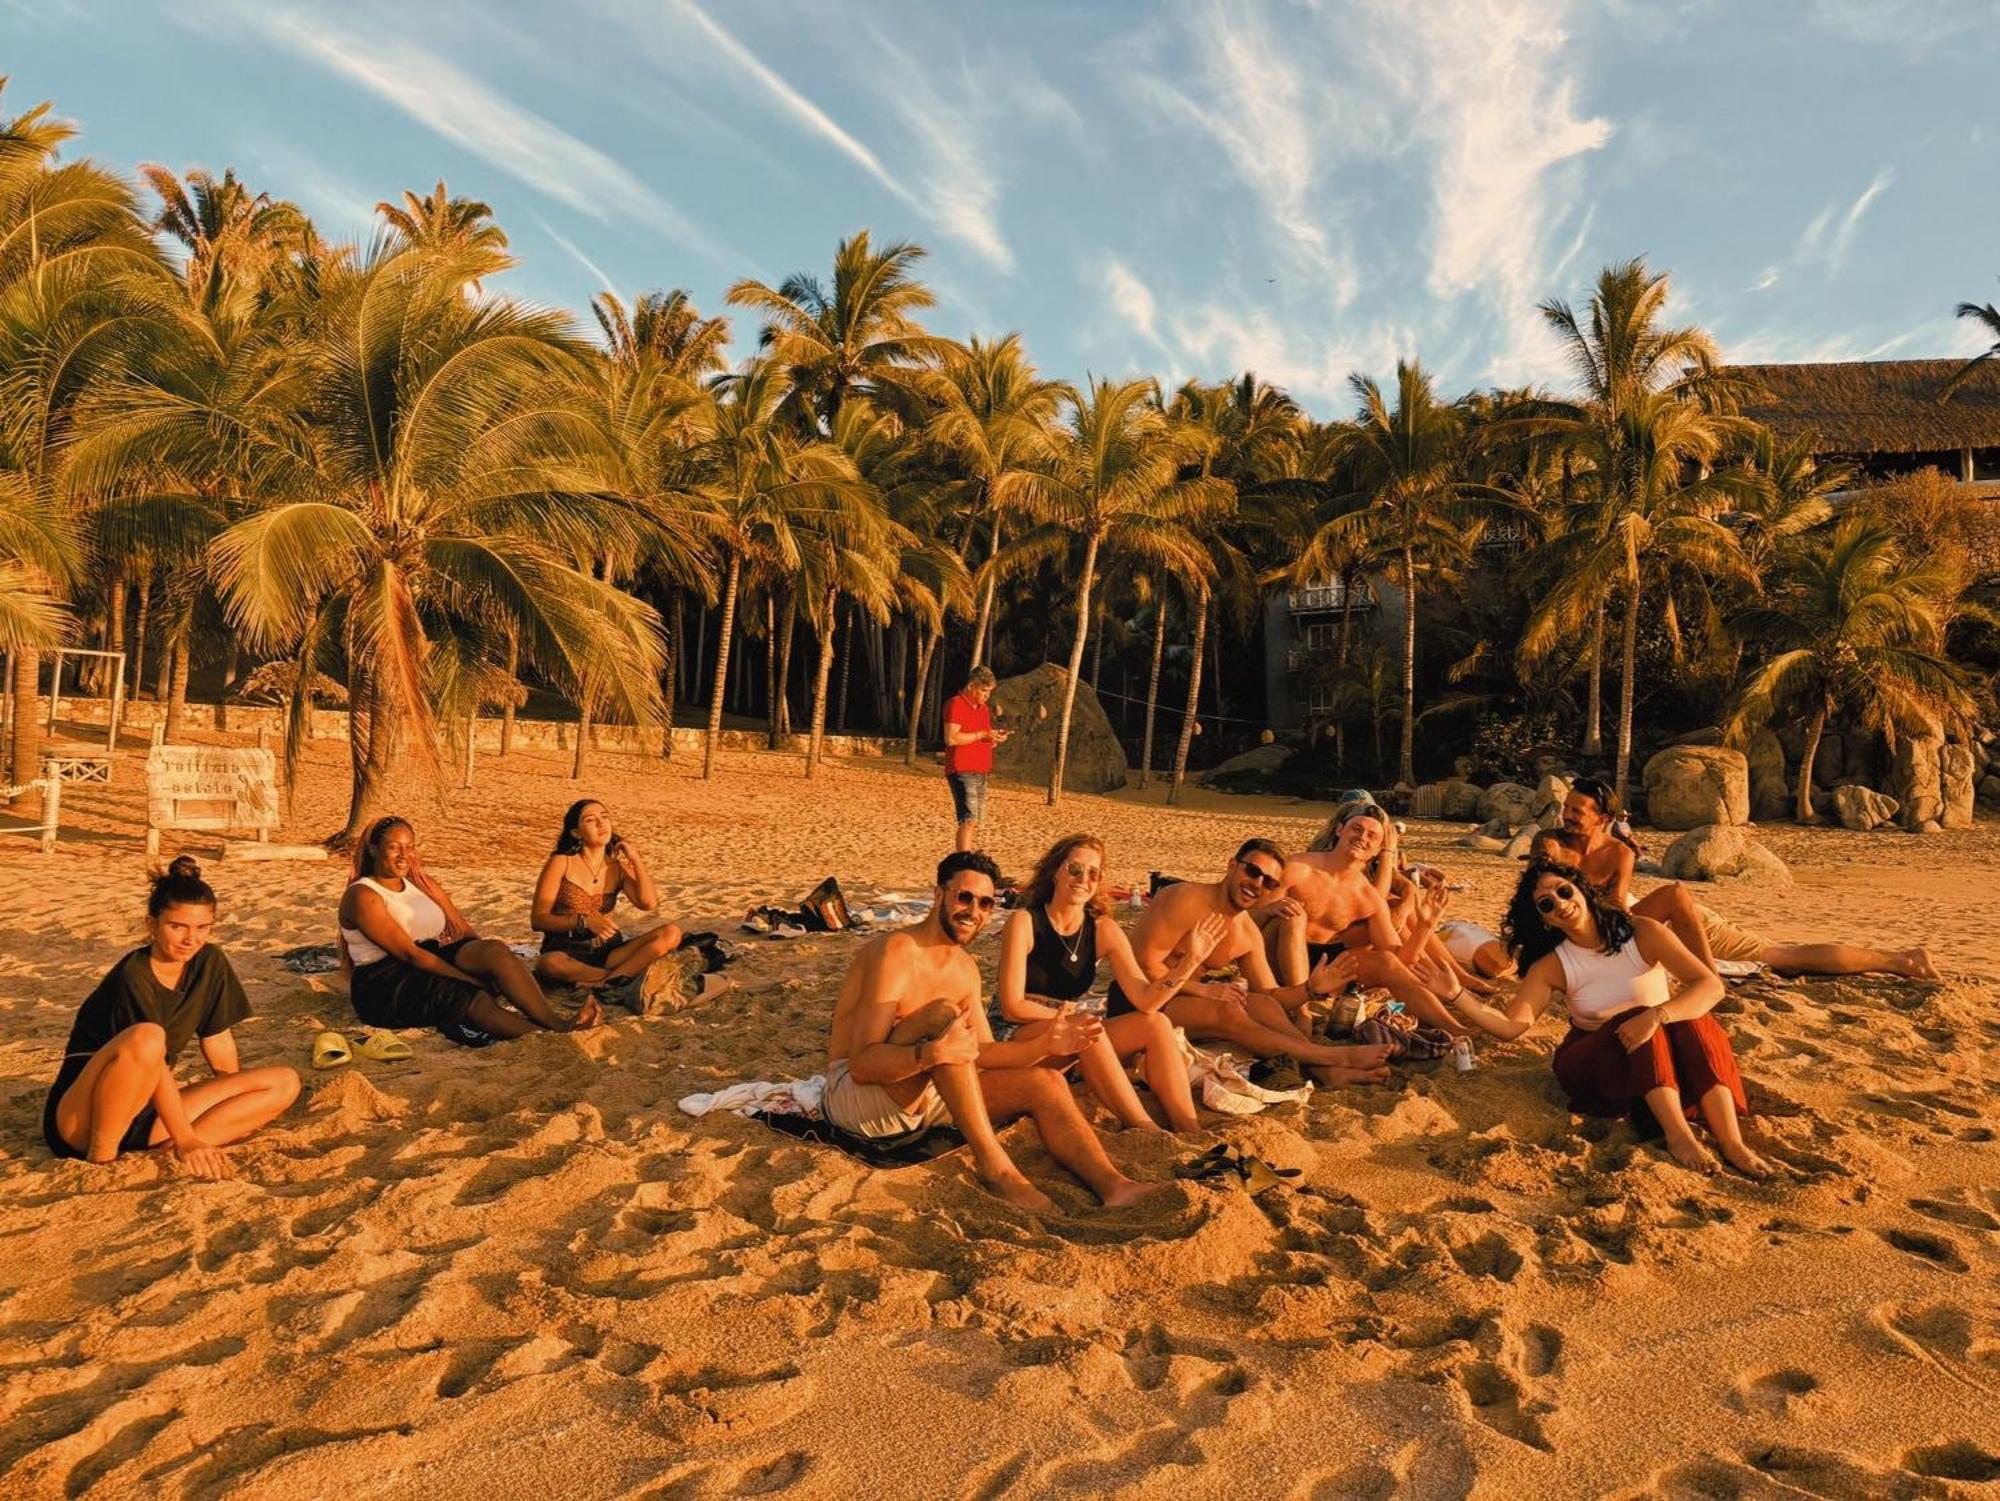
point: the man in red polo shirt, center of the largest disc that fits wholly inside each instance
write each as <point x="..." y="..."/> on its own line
<point x="969" y="738"/>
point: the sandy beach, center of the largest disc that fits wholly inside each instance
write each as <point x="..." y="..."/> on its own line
<point x="524" y="1271"/>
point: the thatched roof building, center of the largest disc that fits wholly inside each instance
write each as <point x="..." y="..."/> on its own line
<point x="1863" y="409"/>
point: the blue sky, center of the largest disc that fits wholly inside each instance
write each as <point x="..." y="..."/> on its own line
<point x="1305" y="190"/>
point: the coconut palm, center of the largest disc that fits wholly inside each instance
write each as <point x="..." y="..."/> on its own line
<point x="232" y="237"/>
<point x="1857" y="628"/>
<point x="758" y="477"/>
<point x="1648" y="526"/>
<point x="80" y="285"/>
<point x="1987" y="316"/>
<point x="1412" y="506"/>
<point x="992" y="422"/>
<point x="1119" y="477"/>
<point x="461" y="228"/>
<point x="860" y="336"/>
<point x="429" y="509"/>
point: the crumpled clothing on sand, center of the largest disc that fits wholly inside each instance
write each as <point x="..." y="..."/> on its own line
<point x="792" y="1097"/>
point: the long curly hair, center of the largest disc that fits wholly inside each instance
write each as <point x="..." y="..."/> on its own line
<point x="1529" y="936"/>
<point x="1041" y="885"/>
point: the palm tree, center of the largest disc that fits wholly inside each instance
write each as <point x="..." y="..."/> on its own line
<point x="1648" y="527"/>
<point x="1858" y="628"/>
<point x="430" y="508"/>
<point x="1411" y="505"/>
<point x="758" y="476"/>
<point x="461" y="228"/>
<point x="992" y="422"/>
<point x="80" y="285"/>
<point x="1987" y="316"/>
<point x="1116" y="478"/>
<point x="232" y="237"/>
<point x="861" y="336"/>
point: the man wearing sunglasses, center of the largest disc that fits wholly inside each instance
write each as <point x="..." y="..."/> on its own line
<point x="911" y="1050"/>
<point x="1331" y="907"/>
<point x="1257" y="1018"/>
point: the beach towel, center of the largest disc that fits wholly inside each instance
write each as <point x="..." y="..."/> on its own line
<point x="790" y="1097"/>
<point x="891" y="1154"/>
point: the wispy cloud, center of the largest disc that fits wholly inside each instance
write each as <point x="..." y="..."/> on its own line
<point x="1766" y="279"/>
<point x="475" y="117"/>
<point x="1132" y="299"/>
<point x="575" y="253"/>
<point x="1827" y="239"/>
<point x="1843" y="239"/>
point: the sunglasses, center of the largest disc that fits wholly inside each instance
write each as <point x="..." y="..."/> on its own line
<point x="1548" y="901"/>
<point x="1261" y="876"/>
<point x="967" y="899"/>
<point x="1077" y="872"/>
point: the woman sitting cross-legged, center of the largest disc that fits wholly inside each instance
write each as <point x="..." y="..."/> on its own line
<point x="116" y="1090"/>
<point x="417" y="961"/>
<point x="1631" y="1043"/>
<point x="590" y="869"/>
<point x="1048" y="959"/>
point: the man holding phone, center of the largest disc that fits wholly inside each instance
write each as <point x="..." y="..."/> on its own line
<point x="969" y="738"/>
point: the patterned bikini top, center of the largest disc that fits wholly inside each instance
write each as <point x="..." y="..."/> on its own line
<point x="573" y="900"/>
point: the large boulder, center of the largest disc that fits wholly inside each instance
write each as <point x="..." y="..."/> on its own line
<point x="1989" y="791"/>
<point x="1688" y="786"/>
<point x="1270" y="757"/>
<point x="1770" y="790"/>
<point x="1455" y="799"/>
<point x="1862" y="807"/>
<point x="1550" y="795"/>
<point x="1830" y="762"/>
<point x="1722" y="852"/>
<point x="1958" y="774"/>
<point x="1917" y="780"/>
<point x="1509" y="802"/>
<point x="1029" y="707"/>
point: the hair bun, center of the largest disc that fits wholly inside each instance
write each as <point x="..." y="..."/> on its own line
<point x="185" y="867"/>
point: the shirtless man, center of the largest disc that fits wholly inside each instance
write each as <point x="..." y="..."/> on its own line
<point x="1259" y="1018"/>
<point x="1606" y="855"/>
<point x="911" y="1049"/>
<point x="1328" y="908"/>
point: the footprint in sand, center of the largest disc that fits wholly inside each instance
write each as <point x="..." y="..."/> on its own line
<point x="1500" y="1402"/>
<point x="1939" y="1250"/>
<point x="1966" y="1216"/>
<point x="1961" y="1459"/>
<point x="1773" y="1392"/>
<point x="773" y="1475"/>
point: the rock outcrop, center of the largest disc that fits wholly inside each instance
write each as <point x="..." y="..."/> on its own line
<point x="1688" y="786"/>
<point x="1723" y="852"/>
<point x="1029" y="707"/>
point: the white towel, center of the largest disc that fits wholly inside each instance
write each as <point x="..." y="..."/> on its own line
<point x="792" y="1097"/>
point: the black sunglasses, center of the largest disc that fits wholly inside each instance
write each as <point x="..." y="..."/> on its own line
<point x="967" y="899"/>
<point x="1546" y="902"/>
<point x="1260" y="875"/>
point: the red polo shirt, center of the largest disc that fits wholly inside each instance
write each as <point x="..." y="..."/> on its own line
<point x="971" y="719"/>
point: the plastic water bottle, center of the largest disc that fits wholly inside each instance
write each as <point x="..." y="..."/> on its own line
<point x="1461" y="1055"/>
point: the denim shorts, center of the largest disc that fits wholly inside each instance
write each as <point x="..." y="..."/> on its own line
<point x="968" y="794"/>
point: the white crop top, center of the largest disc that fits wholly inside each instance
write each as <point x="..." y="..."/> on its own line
<point x="1600" y="985"/>
<point x="412" y="907"/>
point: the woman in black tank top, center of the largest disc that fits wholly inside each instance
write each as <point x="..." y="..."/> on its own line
<point x="1049" y="955"/>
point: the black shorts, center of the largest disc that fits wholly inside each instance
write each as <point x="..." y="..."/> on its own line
<point x="583" y="947"/>
<point x="1318" y="951"/>
<point x="391" y="994"/>
<point x="138" y="1136"/>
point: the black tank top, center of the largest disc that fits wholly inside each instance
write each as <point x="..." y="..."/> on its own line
<point x="1053" y="971"/>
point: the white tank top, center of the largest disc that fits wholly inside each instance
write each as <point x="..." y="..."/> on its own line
<point x="1601" y="985"/>
<point x="413" y="910"/>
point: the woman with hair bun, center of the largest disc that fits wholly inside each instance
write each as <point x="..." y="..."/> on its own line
<point x="116" y="1091"/>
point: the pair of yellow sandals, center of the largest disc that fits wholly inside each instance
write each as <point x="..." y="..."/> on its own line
<point x="331" y="1050"/>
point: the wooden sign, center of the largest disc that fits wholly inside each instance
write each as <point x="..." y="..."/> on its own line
<point x="208" y="787"/>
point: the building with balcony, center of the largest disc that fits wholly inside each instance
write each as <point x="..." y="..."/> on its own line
<point x="1301" y="631"/>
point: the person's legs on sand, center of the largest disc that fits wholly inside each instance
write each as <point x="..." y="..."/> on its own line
<point x="118" y="1082"/>
<point x="961" y="1087"/>
<point x="1151" y="1033"/>
<point x="231" y="1106"/>
<point x="1042" y="1094"/>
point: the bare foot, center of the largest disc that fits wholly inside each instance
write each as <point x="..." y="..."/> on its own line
<point x="1691" y="1154"/>
<point x="1916" y="965"/>
<point x="1324" y="1075"/>
<point x="1128" y="1192"/>
<point x="1021" y="1194"/>
<point x="1745" y="1161"/>
<point x="1359" y="1055"/>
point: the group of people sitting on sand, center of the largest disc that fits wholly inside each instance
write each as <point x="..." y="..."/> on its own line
<point x="1247" y="962"/>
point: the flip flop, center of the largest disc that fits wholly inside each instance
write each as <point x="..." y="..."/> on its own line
<point x="329" y="1050"/>
<point x="381" y="1047"/>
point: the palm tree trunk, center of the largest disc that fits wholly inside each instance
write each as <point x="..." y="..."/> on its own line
<point x="700" y="653"/>
<point x="114" y="632"/>
<point x="926" y="648"/>
<point x="584" y="718"/>
<point x="513" y="680"/>
<point x="1153" y="690"/>
<point x="27" y="737"/>
<point x="1190" y="716"/>
<point x="721" y="665"/>
<point x="770" y="670"/>
<point x="166" y="668"/>
<point x="786" y="631"/>
<point x="670" y="674"/>
<point x="1061" y="760"/>
<point x="1804" y="811"/>
<point x="139" y="630"/>
<point x="1407" y="770"/>
<point x="377" y="767"/>
<point x="1625" y="688"/>
<point x="980" y="630"/>
<point x="177" y="683"/>
<point x="825" y="676"/>
<point x="229" y="663"/>
<point x="1097" y="652"/>
<point x="899" y="675"/>
<point x="846" y="671"/>
<point x="1593" y="724"/>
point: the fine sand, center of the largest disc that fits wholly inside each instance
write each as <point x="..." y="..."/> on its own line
<point x="523" y="1271"/>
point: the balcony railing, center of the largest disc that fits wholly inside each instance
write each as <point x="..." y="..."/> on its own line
<point x="1313" y="599"/>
